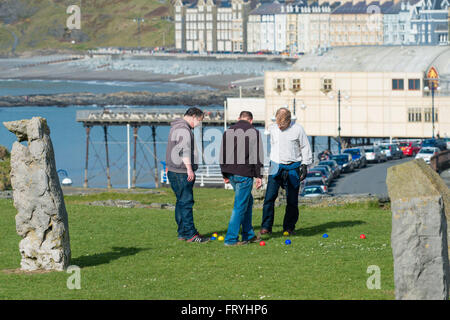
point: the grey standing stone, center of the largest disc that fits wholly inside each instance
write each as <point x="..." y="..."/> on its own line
<point x="419" y="238"/>
<point x="41" y="218"/>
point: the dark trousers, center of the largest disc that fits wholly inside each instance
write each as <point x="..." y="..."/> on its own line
<point x="291" y="214"/>
<point x="185" y="201"/>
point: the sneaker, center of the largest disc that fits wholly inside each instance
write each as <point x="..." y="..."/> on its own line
<point x="198" y="238"/>
<point x="182" y="239"/>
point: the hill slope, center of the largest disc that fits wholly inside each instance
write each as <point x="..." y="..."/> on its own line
<point x="41" y="24"/>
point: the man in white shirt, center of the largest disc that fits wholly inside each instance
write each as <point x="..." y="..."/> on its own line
<point x="290" y="155"/>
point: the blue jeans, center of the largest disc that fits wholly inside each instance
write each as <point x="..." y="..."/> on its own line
<point x="242" y="210"/>
<point x="185" y="201"/>
<point x="291" y="214"/>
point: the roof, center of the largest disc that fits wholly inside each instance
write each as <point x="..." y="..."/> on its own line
<point x="378" y="59"/>
<point x="267" y="8"/>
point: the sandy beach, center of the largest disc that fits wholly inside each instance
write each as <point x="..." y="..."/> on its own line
<point x="54" y="70"/>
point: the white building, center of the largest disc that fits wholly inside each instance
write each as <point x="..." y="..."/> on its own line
<point x="206" y="26"/>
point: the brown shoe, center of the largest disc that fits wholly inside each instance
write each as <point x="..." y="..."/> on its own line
<point x="256" y="238"/>
<point x="239" y="243"/>
<point x="265" y="231"/>
<point x="291" y="232"/>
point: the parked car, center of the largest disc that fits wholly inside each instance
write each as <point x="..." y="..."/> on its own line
<point x="374" y="154"/>
<point x="426" y="153"/>
<point x="447" y="141"/>
<point x="313" y="191"/>
<point x="315" y="182"/>
<point x="358" y="156"/>
<point x="326" y="172"/>
<point x="391" y="150"/>
<point x="437" y="143"/>
<point x="327" y="167"/>
<point x="334" y="167"/>
<point x="409" y="149"/>
<point x="345" y="160"/>
<point x="314" y="175"/>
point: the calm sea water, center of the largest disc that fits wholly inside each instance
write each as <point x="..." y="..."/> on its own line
<point x="69" y="136"/>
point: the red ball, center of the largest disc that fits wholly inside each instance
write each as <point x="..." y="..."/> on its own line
<point x="262" y="243"/>
<point x="362" y="236"/>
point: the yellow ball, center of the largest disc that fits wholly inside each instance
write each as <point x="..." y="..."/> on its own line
<point x="285" y="233"/>
<point x="214" y="235"/>
<point x="220" y="238"/>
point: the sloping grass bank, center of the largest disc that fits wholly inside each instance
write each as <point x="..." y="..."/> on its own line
<point x="135" y="254"/>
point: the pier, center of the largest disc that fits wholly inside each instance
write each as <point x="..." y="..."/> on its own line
<point x="136" y="118"/>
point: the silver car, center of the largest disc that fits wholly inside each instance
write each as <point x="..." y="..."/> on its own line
<point x="374" y="154"/>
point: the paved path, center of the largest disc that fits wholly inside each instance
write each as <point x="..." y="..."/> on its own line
<point x="371" y="179"/>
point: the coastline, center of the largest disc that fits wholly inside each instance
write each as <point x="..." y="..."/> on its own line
<point x="145" y="98"/>
<point x="55" y="70"/>
<point x="58" y="67"/>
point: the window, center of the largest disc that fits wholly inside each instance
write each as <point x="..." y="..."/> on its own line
<point x="413" y="84"/>
<point x="414" y="115"/>
<point x="397" y="84"/>
<point x="296" y="85"/>
<point x="280" y="85"/>
<point x="327" y="85"/>
<point x="427" y="115"/>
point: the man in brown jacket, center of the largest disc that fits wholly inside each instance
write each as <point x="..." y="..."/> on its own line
<point x="241" y="161"/>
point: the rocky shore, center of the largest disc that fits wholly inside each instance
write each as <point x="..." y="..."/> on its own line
<point x="187" y="98"/>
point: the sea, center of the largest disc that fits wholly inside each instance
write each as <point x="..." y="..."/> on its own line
<point x="69" y="136"/>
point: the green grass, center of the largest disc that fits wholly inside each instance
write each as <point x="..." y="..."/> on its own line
<point x="106" y="22"/>
<point x="135" y="254"/>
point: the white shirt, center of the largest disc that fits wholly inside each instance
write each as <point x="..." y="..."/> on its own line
<point x="290" y="145"/>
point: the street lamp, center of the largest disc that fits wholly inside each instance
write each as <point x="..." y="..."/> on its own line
<point x="434" y="87"/>
<point x="139" y="20"/>
<point x="346" y="97"/>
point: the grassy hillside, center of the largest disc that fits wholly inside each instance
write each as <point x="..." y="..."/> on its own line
<point x="41" y="24"/>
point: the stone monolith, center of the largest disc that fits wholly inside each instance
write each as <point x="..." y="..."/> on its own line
<point x="420" y="204"/>
<point x="41" y="218"/>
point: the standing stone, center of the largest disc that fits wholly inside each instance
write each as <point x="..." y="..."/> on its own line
<point x="41" y="218"/>
<point x="420" y="204"/>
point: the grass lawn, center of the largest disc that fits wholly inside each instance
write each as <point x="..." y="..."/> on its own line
<point x="135" y="254"/>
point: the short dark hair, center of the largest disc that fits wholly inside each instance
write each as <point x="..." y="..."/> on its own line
<point x="194" y="112"/>
<point x="246" y="114"/>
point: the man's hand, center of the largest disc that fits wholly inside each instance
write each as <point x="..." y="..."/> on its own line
<point x="258" y="183"/>
<point x="191" y="175"/>
<point x="303" y="172"/>
<point x="226" y="180"/>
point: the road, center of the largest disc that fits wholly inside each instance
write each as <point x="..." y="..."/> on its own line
<point x="371" y="179"/>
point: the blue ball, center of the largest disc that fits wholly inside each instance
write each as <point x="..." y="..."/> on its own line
<point x="288" y="241"/>
<point x="213" y="238"/>
<point x="325" y="235"/>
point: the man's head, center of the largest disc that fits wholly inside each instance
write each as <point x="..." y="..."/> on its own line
<point x="194" y="116"/>
<point x="246" y="115"/>
<point x="283" y="118"/>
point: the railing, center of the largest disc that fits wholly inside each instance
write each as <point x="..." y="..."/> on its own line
<point x="206" y="176"/>
<point x="440" y="161"/>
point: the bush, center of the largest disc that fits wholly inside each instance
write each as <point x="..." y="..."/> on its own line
<point x="5" y="169"/>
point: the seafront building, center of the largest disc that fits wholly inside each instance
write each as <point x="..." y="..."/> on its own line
<point x="302" y="26"/>
<point x="208" y="26"/>
<point x="378" y="91"/>
<point x="429" y="22"/>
